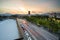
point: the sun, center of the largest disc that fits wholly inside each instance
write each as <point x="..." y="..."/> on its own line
<point x="22" y="9"/>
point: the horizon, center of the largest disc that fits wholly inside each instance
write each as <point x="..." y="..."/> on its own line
<point x="23" y="6"/>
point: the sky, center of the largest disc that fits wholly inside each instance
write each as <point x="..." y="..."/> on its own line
<point x="35" y="6"/>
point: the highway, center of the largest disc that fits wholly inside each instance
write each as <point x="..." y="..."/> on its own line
<point x="37" y="33"/>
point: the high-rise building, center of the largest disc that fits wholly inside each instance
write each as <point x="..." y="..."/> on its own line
<point x="29" y="12"/>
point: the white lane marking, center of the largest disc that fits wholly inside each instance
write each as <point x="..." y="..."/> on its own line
<point x="27" y="34"/>
<point x="29" y="38"/>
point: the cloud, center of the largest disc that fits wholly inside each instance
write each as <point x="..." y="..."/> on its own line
<point x="33" y="5"/>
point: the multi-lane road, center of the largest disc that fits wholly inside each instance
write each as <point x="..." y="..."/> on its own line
<point x="35" y="32"/>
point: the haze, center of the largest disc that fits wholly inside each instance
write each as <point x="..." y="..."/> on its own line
<point x="35" y="6"/>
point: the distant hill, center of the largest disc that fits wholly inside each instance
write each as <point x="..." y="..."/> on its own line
<point x="5" y="14"/>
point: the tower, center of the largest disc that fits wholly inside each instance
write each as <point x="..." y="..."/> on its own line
<point x="28" y="12"/>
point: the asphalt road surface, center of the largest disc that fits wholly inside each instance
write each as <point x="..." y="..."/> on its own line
<point x="37" y="33"/>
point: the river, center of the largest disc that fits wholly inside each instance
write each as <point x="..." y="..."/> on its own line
<point x="8" y="30"/>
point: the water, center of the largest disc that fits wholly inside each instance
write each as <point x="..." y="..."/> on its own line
<point x="8" y="30"/>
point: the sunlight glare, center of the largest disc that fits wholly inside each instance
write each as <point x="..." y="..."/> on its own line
<point x="22" y="9"/>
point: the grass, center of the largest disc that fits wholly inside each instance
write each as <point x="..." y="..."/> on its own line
<point x="49" y="23"/>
